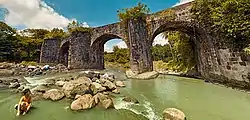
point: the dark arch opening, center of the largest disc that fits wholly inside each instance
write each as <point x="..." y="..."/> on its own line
<point x="97" y="48"/>
<point x="64" y="54"/>
<point x="190" y="30"/>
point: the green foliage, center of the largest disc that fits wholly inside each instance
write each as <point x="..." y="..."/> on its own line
<point x="119" y="55"/>
<point x="27" y="63"/>
<point x="183" y="58"/>
<point x="56" y="33"/>
<point x="229" y="18"/>
<point x="160" y="52"/>
<point x="168" y="14"/>
<point x="25" y="45"/>
<point x="178" y="55"/>
<point x="8" y="42"/>
<point x="77" y="27"/>
<point x="133" y="13"/>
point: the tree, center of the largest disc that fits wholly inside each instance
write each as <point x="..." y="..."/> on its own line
<point x="119" y="55"/>
<point x="8" y="42"/>
<point x="77" y="27"/>
<point x="56" y="33"/>
<point x="228" y="18"/>
<point x="132" y="13"/>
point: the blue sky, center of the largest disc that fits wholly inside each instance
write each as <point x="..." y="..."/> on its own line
<point x="100" y="12"/>
<point x="58" y="13"/>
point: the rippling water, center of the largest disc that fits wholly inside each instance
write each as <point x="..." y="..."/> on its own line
<point x="198" y="100"/>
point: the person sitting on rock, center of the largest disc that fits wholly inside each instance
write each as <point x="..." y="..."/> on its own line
<point x="24" y="103"/>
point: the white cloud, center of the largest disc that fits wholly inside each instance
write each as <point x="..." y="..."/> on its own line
<point x="122" y="44"/>
<point x="108" y="48"/>
<point x="33" y="14"/>
<point x="160" y="39"/>
<point x="183" y="2"/>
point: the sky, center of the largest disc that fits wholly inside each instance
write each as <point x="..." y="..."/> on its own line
<point x="49" y="14"/>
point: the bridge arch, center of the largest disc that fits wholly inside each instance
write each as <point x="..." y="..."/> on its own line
<point x="203" y="44"/>
<point x="64" y="53"/>
<point x="97" y="47"/>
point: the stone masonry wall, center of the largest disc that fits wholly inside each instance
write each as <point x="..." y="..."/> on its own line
<point x="79" y="50"/>
<point x="49" y="51"/>
<point x="234" y="70"/>
<point x="140" y="52"/>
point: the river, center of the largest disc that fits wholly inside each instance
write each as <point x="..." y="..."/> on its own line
<point x="198" y="100"/>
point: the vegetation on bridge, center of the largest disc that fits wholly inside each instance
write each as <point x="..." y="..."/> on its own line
<point x="229" y="18"/>
<point x="141" y="10"/>
<point x="77" y="27"/>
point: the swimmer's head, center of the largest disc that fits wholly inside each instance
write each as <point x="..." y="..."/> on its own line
<point x="26" y="92"/>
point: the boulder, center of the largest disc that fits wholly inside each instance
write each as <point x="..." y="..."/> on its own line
<point x="90" y="74"/>
<point x="142" y="76"/>
<point x="97" y="85"/>
<point x="77" y="96"/>
<point x="110" y="77"/>
<point x="104" y="101"/>
<point x="84" y="102"/>
<point x="37" y="71"/>
<point x="14" y="85"/>
<point x="20" y="88"/>
<point x="120" y="84"/>
<point x="49" y="82"/>
<point x="78" y="86"/>
<point x="14" y="80"/>
<point x="31" y="67"/>
<point x="93" y="89"/>
<point x="59" y="83"/>
<point x="101" y="89"/>
<point x="41" y="89"/>
<point x="173" y="114"/>
<point x="108" y="84"/>
<point x="94" y="79"/>
<point x="116" y="91"/>
<point x="53" y="94"/>
<point x="130" y="74"/>
<point x="130" y="99"/>
<point x="5" y="72"/>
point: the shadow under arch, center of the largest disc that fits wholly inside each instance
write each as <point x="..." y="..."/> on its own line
<point x="64" y="53"/>
<point x="97" y="49"/>
<point x="202" y="40"/>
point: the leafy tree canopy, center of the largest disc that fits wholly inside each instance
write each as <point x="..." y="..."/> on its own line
<point x="229" y="18"/>
<point x="134" y="12"/>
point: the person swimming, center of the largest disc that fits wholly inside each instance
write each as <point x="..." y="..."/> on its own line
<point x="24" y="103"/>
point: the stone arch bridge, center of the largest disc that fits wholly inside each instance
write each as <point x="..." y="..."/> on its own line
<point x="85" y="50"/>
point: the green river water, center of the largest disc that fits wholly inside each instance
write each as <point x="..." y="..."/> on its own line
<point x="198" y="100"/>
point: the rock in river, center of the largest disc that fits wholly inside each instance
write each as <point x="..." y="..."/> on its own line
<point x="14" y="85"/>
<point x="108" y="84"/>
<point x="120" y="84"/>
<point x="142" y="76"/>
<point x="130" y="99"/>
<point x="78" y="86"/>
<point x="60" y="83"/>
<point x="173" y="114"/>
<point x="53" y="94"/>
<point x="83" y="102"/>
<point x="104" y="101"/>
